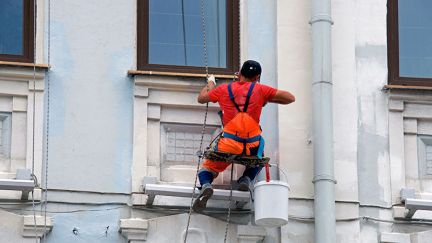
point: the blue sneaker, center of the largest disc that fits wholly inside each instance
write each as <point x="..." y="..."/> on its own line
<point x="201" y="201"/>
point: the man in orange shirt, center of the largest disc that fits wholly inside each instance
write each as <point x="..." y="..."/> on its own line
<point x="241" y="104"/>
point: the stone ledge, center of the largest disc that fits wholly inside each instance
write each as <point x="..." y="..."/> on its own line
<point x="30" y="229"/>
<point x="134" y="229"/>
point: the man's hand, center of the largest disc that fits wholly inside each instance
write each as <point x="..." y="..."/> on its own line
<point x="212" y="79"/>
<point x="211" y="84"/>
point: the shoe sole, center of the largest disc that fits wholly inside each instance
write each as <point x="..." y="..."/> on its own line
<point x="201" y="202"/>
<point x="243" y="187"/>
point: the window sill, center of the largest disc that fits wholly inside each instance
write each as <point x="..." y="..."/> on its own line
<point x="175" y="74"/>
<point x="24" y="64"/>
<point x="405" y="87"/>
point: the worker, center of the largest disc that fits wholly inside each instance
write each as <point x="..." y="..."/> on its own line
<point x="241" y="103"/>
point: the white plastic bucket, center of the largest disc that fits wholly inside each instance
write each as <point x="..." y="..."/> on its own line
<point x="271" y="203"/>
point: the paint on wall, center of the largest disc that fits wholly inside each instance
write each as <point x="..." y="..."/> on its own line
<point x="91" y="100"/>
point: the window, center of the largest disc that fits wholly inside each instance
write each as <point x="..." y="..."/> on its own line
<point x="170" y="36"/>
<point x="16" y="30"/>
<point x="410" y="42"/>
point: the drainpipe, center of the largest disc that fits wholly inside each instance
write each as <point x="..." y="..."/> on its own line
<point x="322" y="114"/>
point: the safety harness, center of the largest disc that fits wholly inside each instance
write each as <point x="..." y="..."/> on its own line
<point x="243" y="128"/>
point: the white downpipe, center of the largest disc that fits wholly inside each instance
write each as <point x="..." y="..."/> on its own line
<point x="324" y="204"/>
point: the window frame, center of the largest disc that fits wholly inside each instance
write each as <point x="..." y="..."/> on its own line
<point x="233" y="43"/>
<point x="394" y="77"/>
<point x="28" y="36"/>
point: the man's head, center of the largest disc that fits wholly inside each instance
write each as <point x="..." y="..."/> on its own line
<point x="251" y="70"/>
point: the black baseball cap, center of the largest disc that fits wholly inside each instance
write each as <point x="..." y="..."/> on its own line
<point x="250" y="69"/>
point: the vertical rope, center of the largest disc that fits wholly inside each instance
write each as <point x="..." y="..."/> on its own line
<point x="200" y="153"/>
<point x="47" y="120"/>
<point x="203" y="27"/>
<point x="184" y="33"/>
<point x="33" y="118"/>
<point x="229" y="204"/>
<point x="200" y="156"/>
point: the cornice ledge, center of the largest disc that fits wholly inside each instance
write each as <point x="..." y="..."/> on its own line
<point x="170" y="84"/>
<point x="20" y="74"/>
<point x="417" y="96"/>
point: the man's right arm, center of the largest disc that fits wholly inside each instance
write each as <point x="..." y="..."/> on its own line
<point x="283" y="97"/>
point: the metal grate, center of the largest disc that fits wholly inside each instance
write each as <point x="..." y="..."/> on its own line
<point x="180" y="143"/>
<point x="5" y="134"/>
<point x="428" y="164"/>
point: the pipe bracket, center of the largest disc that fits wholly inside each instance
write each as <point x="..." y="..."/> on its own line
<point x="322" y="82"/>
<point x="321" y="18"/>
<point x="324" y="177"/>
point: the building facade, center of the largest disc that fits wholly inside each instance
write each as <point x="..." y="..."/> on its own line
<point x="98" y="100"/>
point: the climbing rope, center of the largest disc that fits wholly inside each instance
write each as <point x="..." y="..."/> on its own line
<point x="33" y="120"/>
<point x="231" y="189"/>
<point x="229" y="204"/>
<point x="200" y="153"/>
<point x="47" y="120"/>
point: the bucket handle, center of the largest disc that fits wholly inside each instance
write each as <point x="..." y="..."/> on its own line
<point x="280" y="170"/>
<point x="284" y="174"/>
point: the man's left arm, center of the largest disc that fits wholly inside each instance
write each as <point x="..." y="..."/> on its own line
<point x="204" y="97"/>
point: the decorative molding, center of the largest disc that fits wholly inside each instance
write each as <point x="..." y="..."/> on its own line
<point x="154" y="112"/>
<point x="396" y="105"/>
<point x="424" y="96"/>
<point x="19" y="88"/>
<point x="174" y="74"/>
<point x="21" y="74"/>
<point x="134" y="229"/>
<point x="30" y="229"/>
<point x="139" y="199"/>
<point x="170" y="83"/>
<point x="24" y="64"/>
<point x="141" y="91"/>
<point x="161" y="100"/>
<point x="250" y="234"/>
<point x="399" y="212"/>
<point x="37" y="85"/>
<point x="410" y="126"/>
<point x="409" y="148"/>
<point x="19" y="104"/>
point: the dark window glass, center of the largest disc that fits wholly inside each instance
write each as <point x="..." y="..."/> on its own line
<point x="171" y="38"/>
<point x="176" y="36"/>
<point x="16" y="30"/>
<point x="415" y="38"/>
<point x="11" y="27"/>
